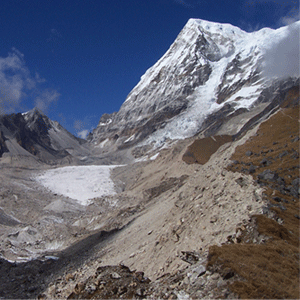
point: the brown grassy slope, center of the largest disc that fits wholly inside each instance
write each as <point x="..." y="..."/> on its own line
<point x="270" y="269"/>
<point x="201" y="150"/>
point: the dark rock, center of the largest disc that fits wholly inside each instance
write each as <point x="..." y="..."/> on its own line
<point x="31" y="132"/>
<point x="295" y="155"/>
<point x="241" y="181"/>
<point x="280" y="206"/>
<point x="268" y="175"/>
<point x="280" y="181"/>
<point x="190" y="256"/>
<point x="292" y="190"/>
<point x="283" y="154"/>
<point x="277" y="199"/>
<point x="249" y="153"/>
<point x="284" y="190"/>
<point x="3" y="147"/>
<point x="296" y="139"/>
<point x="265" y="162"/>
<point x="252" y="169"/>
<point x="244" y="170"/>
<point x="227" y="273"/>
<point x="266" y="210"/>
<point x="297" y="216"/>
<point x="32" y="289"/>
<point x="296" y="183"/>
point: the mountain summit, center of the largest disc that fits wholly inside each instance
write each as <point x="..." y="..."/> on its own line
<point x="211" y="69"/>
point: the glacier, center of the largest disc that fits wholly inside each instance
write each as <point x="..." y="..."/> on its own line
<point x="80" y="183"/>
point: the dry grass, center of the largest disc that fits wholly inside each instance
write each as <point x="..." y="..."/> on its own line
<point x="201" y="150"/>
<point x="271" y="269"/>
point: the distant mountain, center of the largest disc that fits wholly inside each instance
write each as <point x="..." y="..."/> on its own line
<point x="34" y="134"/>
<point x="210" y="81"/>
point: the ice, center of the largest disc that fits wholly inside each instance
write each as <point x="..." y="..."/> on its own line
<point x="247" y="95"/>
<point x="81" y="183"/>
<point x="203" y="103"/>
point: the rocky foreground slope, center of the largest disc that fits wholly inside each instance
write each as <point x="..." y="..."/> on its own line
<point x="228" y="228"/>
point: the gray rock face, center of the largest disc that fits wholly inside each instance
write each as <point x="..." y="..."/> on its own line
<point x="34" y="134"/>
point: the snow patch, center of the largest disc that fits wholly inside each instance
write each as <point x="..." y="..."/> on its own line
<point x="81" y="183"/>
<point x="103" y="143"/>
<point x="154" y="157"/>
<point x="131" y="138"/>
<point x="106" y="123"/>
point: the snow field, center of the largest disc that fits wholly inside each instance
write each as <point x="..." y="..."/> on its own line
<point x="81" y="183"/>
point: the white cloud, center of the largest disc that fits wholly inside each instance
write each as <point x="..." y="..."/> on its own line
<point x="83" y="134"/>
<point x="17" y="84"/>
<point x="45" y="99"/>
<point x="14" y="79"/>
<point x="250" y="27"/>
<point x="282" y="60"/>
<point x="291" y="17"/>
<point x="81" y="127"/>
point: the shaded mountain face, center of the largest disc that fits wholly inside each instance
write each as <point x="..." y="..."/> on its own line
<point x="34" y="134"/>
<point x="210" y="81"/>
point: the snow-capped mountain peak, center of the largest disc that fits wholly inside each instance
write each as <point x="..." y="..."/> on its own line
<point x="210" y="67"/>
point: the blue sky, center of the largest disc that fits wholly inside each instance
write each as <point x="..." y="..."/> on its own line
<point x="78" y="59"/>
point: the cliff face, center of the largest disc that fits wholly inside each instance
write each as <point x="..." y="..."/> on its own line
<point x="211" y="72"/>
